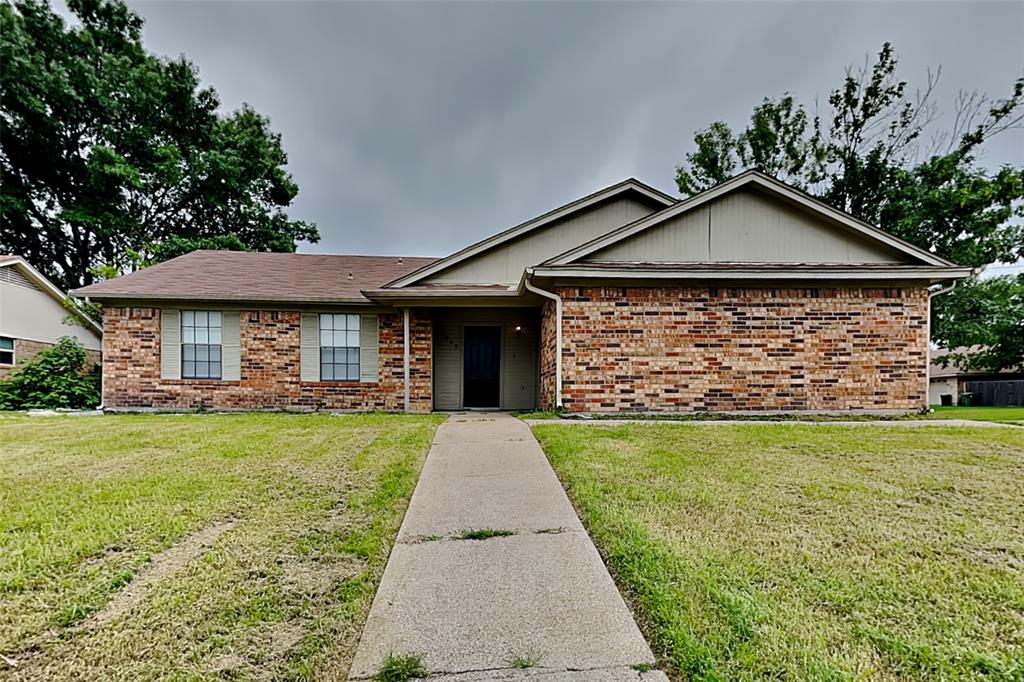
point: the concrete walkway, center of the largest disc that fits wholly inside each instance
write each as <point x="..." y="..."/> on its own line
<point x="469" y="608"/>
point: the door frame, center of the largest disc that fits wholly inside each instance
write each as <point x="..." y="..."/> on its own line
<point x="501" y="364"/>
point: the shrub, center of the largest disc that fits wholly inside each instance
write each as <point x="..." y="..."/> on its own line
<point x="55" y="377"/>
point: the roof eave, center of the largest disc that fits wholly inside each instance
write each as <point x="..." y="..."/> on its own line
<point x="930" y="274"/>
<point x="232" y="298"/>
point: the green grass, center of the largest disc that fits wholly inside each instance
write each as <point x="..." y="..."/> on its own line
<point x="810" y="552"/>
<point x="483" y="534"/>
<point x="988" y="414"/>
<point x="302" y="511"/>
<point x="401" y="669"/>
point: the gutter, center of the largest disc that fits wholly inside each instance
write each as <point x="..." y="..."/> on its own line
<point x="558" y="331"/>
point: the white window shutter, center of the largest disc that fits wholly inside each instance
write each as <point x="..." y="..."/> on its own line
<point x="368" y="349"/>
<point x="170" y="344"/>
<point x="309" y="347"/>
<point x="231" y="345"/>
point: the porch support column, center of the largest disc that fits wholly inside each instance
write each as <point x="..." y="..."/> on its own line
<point x="405" y="354"/>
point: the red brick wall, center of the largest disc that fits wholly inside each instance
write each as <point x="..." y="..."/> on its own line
<point x="270" y="376"/>
<point x="25" y="350"/>
<point x="759" y="349"/>
<point x="548" y="339"/>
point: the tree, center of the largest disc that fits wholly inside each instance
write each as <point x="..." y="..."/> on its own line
<point x="55" y="377"/>
<point x="871" y="158"/>
<point x="114" y="157"/>
<point x="989" y="315"/>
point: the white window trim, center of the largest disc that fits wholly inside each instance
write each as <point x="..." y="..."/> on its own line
<point x="358" y="346"/>
<point x="182" y="343"/>
<point x="13" y="351"/>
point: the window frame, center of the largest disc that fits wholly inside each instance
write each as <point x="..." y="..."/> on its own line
<point x="191" y="348"/>
<point x="12" y="350"/>
<point x="350" y="329"/>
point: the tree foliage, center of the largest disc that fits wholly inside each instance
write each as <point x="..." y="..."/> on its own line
<point x="54" y="378"/>
<point x="877" y="155"/>
<point x="113" y="157"/>
<point x="985" y="319"/>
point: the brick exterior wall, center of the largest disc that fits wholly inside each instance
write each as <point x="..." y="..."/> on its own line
<point x="548" y="340"/>
<point x="25" y="350"/>
<point x="750" y="349"/>
<point x="270" y="366"/>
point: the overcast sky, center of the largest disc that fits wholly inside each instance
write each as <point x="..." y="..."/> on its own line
<point x="417" y="128"/>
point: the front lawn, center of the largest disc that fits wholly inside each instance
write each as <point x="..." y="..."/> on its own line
<point x="986" y="414"/>
<point x="199" y="546"/>
<point x="810" y="552"/>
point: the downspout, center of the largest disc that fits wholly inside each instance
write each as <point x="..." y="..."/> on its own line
<point x="928" y="359"/>
<point x="405" y="354"/>
<point x="558" y="335"/>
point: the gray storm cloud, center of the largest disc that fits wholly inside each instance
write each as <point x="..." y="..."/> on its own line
<point x="417" y="128"/>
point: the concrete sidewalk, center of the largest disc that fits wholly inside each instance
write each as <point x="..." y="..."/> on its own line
<point x="469" y="607"/>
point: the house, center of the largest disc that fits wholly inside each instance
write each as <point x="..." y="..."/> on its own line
<point x="33" y="316"/>
<point x="751" y="296"/>
<point x="997" y="389"/>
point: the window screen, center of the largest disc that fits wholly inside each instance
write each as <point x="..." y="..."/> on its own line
<point x="339" y="347"/>
<point x="200" y="344"/>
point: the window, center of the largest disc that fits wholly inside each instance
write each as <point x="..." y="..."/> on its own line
<point x="200" y="344"/>
<point x="339" y="347"/>
<point x="6" y="351"/>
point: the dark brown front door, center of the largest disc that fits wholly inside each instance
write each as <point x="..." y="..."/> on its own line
<point x="482" y="355"/>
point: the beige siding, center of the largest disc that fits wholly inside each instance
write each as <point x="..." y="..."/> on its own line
<point x="519" y="367"/>
<point x="746" y="227"/>
<point x="26" y="312"/>
<point x="504" y="264"/>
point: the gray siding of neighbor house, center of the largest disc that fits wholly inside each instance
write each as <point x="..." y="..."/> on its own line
<point x="504" y="264"/>
<point x="519" y="362"/>
<point x="745" y="227"/>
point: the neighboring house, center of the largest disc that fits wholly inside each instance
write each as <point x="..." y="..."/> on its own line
<point x="997" y="389"/>
<point x="749" y="296"/>
<point x="33" y="316"/>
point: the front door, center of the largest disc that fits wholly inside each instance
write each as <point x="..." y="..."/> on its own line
<point x="482" y="358"/>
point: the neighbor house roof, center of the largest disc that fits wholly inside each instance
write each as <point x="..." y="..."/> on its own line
<point x="628" y="186"/>
<point x="45" y="285"/>
<point x="939" y="371"/>
<point x="766" y="183"/>
<point x="254" y="276"/>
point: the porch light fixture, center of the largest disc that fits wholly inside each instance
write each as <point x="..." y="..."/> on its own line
<point x="519" y="330"/>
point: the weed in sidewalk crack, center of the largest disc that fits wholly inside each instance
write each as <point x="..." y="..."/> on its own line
<point x="483" y="534"/>
<point x="397" y="668"/>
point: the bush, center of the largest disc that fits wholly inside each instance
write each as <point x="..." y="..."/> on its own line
<point x="55" y="377"/>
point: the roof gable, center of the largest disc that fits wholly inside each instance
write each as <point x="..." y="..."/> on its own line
<point x="605" y="210"/>
<point x="45" y="285"/>
<point x="749" y="218"/>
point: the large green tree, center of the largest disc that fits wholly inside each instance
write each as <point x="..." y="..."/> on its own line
<point x="112" y="157"/>
<point x="877" y="154"/>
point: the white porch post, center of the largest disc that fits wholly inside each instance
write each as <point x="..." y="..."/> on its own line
<point x="405" y="354"/>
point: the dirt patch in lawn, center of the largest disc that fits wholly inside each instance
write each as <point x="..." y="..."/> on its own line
<point x="164" y="564"/>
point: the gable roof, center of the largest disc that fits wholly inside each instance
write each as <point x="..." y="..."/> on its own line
<point x="257" y="276"/>
<point x="628" y="186"/>
<point x="761" y="181"/>
<point x="45" y="285"/>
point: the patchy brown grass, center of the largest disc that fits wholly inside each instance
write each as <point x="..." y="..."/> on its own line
<point x="196" y="547"/>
